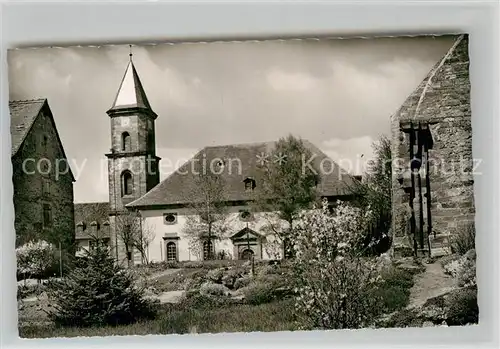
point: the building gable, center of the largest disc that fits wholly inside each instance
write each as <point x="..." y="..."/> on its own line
<point x="22" y="117"/>
<point x="25" y="114"/>
<point x="246" y="234"/>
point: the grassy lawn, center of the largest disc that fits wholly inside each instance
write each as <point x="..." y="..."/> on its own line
<point x="202" y="315"/>
<point x="276" y="316"/>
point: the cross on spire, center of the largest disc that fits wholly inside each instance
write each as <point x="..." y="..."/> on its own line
<point x="130" y="54"/>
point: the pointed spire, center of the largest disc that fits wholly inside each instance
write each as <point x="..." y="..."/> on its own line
<point x="131" y="93"/>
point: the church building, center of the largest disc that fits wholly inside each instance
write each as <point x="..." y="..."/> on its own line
<point x="161" y="210"/>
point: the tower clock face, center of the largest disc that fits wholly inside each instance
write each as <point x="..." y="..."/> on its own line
<point x="125" y="122"/>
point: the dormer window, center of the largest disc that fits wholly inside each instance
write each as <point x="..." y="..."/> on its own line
<point x="249" y="184"/>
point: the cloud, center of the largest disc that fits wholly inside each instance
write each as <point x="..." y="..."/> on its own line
<point x="173" y="158"/>
<point x="351" y="154"/>
<point x="285" y="81"/>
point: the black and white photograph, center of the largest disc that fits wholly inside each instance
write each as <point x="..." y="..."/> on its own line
<point x="243" y="186"/>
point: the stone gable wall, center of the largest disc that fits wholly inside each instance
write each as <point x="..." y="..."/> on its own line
<point x="446" y="102"/>
<point x="29" y="194"/>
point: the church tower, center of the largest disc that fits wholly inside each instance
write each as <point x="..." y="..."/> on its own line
<point x="132" y="162"/>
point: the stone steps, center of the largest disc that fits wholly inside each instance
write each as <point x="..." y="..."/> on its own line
<point x="439" y="239"/>
<point x="439" y="247"/>
<point x="440" y="251"/>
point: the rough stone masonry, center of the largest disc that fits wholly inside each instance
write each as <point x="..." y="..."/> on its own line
<point x="439" y="108"/>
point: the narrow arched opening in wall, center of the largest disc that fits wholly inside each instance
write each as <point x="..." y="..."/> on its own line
<point x="127" y="183"/>
<point x="126" y="141"/>
<point x="247" y="254"/>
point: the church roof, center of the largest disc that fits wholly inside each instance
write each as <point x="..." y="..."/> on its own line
<point x="175" y="188"/>
<point x="89" y="212"/>
<point x="23" y="114"/>
<point x="131" y="93"/>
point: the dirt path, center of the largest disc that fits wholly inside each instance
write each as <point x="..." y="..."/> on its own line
<point x="431" y="283"/>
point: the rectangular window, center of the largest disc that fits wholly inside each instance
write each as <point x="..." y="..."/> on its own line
<point x="46" y="186"/>
<point x="47" y="216"/>
<point x="208" y="250"/>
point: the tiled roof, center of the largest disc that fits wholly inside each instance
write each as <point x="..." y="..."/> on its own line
<point x="89" y="212"/>
<point x="23" y="114"/>
<point x="174" y="188"/>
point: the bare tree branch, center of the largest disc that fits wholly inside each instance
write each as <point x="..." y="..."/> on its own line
<point x="207" y="218"/>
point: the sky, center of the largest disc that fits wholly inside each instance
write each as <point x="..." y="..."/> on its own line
<point x="337" y="93"/>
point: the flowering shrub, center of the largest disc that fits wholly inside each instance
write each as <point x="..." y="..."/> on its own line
<point x="463" y="269"/>
<point x="273" y="247"/>
<point x="453" y="267"/>
<point x="335" y="285"/>
<point x="466" y="275"/>
<point x="35" y="258"/>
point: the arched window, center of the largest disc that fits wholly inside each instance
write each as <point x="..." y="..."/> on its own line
<point x="249" y="184"/>
<point x="171" y="251"/>
<point x="127" y="183"/>
<point x="126" y="141"/>
<point x="208" y="246"/>
<point x="247" y="254"/>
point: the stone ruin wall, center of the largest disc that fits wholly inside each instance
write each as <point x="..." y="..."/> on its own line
<point x="447" y="103"/>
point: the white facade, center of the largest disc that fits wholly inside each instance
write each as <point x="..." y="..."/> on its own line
<point x="167" y="233"/>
